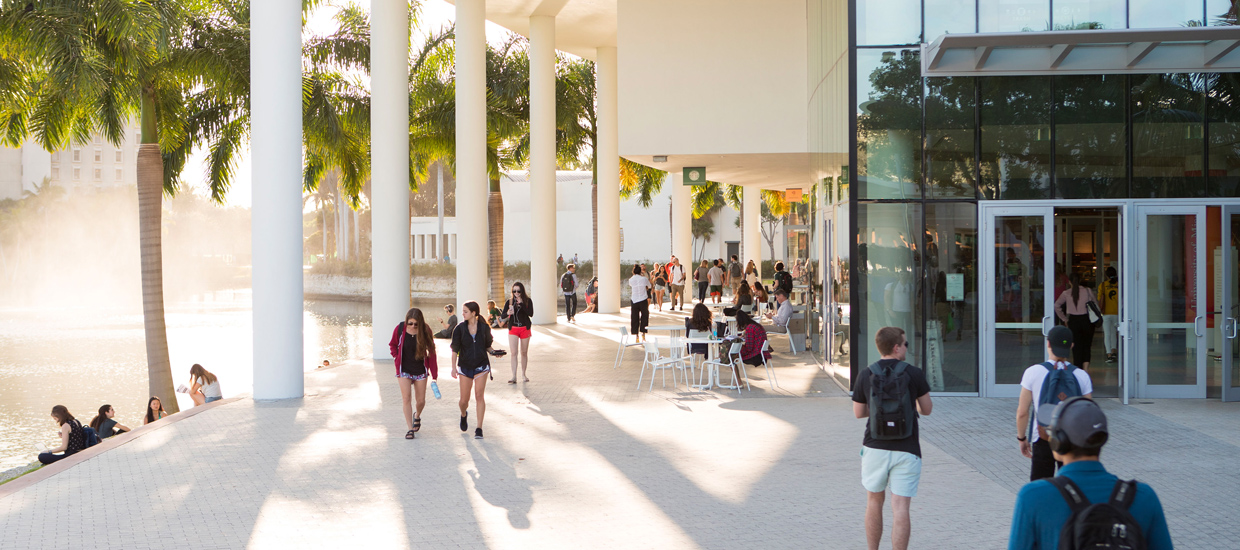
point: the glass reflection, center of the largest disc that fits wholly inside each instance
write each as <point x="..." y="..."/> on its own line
<point x="951" y="281"/>
<point x="1020" y="295"/>
<point x="1171" y="303"/>
<point x="949" y="137"/>
<point x="1089" y="136"/>
<point x="1013" y="15"/>
<point x="1168" y="149"/>
<point x="888" y="22"/>
<point x="887" y="276"/>
<point x="949" y="17"/>
<point x="1089" y="14"/>
<point x="1223" y="96"/>
<point x="1155" y="14"/>
<point x="1221" y="13"/>
<point x="1016" y="137"/>
<point x="889" y="124"/>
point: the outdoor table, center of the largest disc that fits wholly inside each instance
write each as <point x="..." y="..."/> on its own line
<point x="713" y="378"/>
<point x="675" y="330"/>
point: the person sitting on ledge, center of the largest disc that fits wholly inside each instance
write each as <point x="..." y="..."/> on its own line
<point x="105" y="424"/>
<point x="449" y="325"/>
<point x="72" y="436"/>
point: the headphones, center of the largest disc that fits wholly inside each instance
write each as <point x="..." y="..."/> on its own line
<point x="1059" y="442"/>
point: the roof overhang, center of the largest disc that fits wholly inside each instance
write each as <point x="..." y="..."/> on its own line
<point x="1128" y="51"/>
<point x="581" y="26"/>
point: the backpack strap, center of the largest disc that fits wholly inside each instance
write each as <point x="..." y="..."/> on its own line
<point x="1072" y="494"/>
<point x="1123" y="493"/>
<point x="899" y="368"/>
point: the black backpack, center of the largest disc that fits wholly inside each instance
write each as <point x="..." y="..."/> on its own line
<point x="783" y="280"/>
<point x="892" y="415"/>
<point x="734" y="269"/>
<point x="1099" y="526"/>
<point x="566" y="283"/>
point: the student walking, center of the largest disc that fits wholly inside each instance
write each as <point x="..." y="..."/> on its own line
<point x="676" y="280"/>
<point x="204" y="386"/>
<point x="1124" y="513"/>
<point x="105" y="423"/>
<point x="154" y="411"/>
<point x="701" y="277"/>
<point x="1108" y="298"/>
<point x="413" y="351"/>
<point x="715" y="276"/>
<point x="72" y="436"/>
<point x="660" y="284"/>
<point x="1073" y="307"/>
<point x="890" y="393"/>
<point x="751" y="273"/>
<point x="568" y="286"/>
<point x="592" y="296"/>
<point x="471" y="344"/>
<point x="518" y="310"/>
<point x="736" y="273"/>
<point x="782" y="280"/>
<point x="1038" y="390"/>
<point x="639" y="310"/>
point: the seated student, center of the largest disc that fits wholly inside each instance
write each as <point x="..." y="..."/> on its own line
<point x="493" y="312"/>
<point x="1078" y="431"/>
<point x="742" y="298"/>
<point x="204" y="386"/>
<point x="759" y="294"/>
<point x="105" y="424"/>
<point x="72" y="436"/>
<point x="448" y="325"/>
<point x="701" y="322"/>
<point x="754" y="336"/>
<point x="781" y="315"/>
<point x="154" y="411"/>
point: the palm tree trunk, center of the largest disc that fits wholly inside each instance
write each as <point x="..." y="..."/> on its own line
<point x="495" y="225"/>
<point x="150" y="205"/>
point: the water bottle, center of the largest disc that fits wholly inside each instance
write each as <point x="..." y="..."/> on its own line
<point x="435" y="389"/>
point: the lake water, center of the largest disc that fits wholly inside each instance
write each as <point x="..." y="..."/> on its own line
<point x="85" y="358"/>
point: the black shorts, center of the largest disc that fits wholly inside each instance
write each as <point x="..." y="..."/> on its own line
<point x="470" y="373"/>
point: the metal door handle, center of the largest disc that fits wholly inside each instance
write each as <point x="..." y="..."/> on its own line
<point x="1232" y="321"/>
<point x="1197" y="331"/>
<point x="1044" y="329"/>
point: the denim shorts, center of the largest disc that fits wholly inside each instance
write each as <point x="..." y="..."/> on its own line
<point x="898" y="470"/>
<point x="412" y="376"/>
<point x="470" y="373"/>
<point x="216" y="398"/>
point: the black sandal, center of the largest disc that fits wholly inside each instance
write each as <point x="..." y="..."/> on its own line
<point x="417" y="425"/>
<point x="409" y="434"/>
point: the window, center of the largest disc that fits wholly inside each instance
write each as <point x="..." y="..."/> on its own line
<point x="98" y="155"/>
<point x="1090" y="140"/>
<point x="949" y="137"/>
<point x="949" y="17"/>
<point x="1089" y="14"/>
<point x="77" y="173"/>
<point x="98" y="174"/>
<point x="55" y="173"/>
<point x="888" y="282"/>
<point x="1016" y="137"/>
<point x="889" y="123"/>
<point x="1168" y="141"/>
<point x="77" y="155"/>
<point x="1145" y="14"/>
<point x="888" y="22"/>
<point x="118" y="174"/>
<point x="120" y="157"/>
<point x="1014" y="15"/>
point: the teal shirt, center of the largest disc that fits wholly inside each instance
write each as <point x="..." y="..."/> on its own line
<point x="1041" y="510"/>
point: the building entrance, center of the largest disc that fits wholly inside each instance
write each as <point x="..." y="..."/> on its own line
<point x="1167" y="287"/>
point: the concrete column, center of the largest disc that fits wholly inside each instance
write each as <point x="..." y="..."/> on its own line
<point x="751" y="211"/>
<point x="682" y="223"/>
<point x="609" y="276"/>
<point x="469" y="251"/>
<point x="543" y="276"/>
<point x="389" y="160"/>
<point x="275" y="140"/>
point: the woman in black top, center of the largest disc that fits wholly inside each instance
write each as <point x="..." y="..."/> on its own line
<point x="518" y="310"/>
<point x="72" y="436"/>
<point x="105" y="424"/>
<point x="660" y="285"/>
<point x="413" y="348"/>
<point x="471" y="342"/>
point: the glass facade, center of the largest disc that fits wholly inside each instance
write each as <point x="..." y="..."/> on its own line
<point x="902" y="194"/>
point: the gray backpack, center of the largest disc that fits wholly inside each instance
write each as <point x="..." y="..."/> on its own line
<point x="892" y="415"/>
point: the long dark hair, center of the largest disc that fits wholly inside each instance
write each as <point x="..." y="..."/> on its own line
<point x="99" y="418"/>
<point x="701" y="318"/>
<point x="150" y="416"/>
<point x="743" y="290"/>
<point x="521" y="288"/>
<point x="472" y="306"/>
<point x="426" y="342"/>
<point x="197" y="371"/>
<point x="62" y="414"/>
<point x="742" y="320"/>
<point x="1075" y="280"/>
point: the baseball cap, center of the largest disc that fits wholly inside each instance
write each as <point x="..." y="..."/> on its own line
<point x="1080" y="419"/>
<point x="1060" y="338"/>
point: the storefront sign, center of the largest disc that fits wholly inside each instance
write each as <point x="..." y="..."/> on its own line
<point x="955" y="287"/>
<point x="695" y="175"/>
<point x="793" y="195"/>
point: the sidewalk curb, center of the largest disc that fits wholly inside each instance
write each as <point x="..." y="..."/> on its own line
<point x="107" y="444"/>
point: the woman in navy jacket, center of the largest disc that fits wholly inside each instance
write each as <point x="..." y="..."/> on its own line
<point x="471" y="344"/>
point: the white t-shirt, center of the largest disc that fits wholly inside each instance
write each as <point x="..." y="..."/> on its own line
<point x="1032" y="381"/>
<point x="678" y="274"/>
<point x="209" y="390"/>
<point x="639" y="284"/>
<point x="715" y="275"/>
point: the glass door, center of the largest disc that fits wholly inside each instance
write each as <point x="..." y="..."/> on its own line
<point x="1171" y="307"/>
<point x="1230" y="283"/>
<point x="1017" y="307"/>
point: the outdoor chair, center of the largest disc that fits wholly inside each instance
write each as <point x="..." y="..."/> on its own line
<point x="770" y="372"/>
<point x="655" y="360"/>
<point x="783" y="329"/>
<point x="624" y="343"/>
<point x="733" y="359"/>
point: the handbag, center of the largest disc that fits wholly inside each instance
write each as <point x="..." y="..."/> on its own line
<point x="1095" y="316"/>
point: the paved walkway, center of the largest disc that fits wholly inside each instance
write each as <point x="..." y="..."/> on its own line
<point x="578" y="458"/>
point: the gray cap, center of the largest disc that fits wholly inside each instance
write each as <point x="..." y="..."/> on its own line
<point x="1080" y="419"/>
<point x="1060" y="339"/>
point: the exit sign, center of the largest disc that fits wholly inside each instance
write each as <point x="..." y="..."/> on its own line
<point x="695" y="175"/>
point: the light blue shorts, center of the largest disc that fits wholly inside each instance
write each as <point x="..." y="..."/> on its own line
<point x="896" y="470"/>
<point x="212" y="399"/>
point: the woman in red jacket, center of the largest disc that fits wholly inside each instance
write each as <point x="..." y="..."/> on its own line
<point x="413" y="350"/>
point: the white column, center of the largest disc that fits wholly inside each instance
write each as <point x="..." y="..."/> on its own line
<point x="751" y="211"/>
<point x="389" y="161"/>
<point x="682" y="223"/>
<point x="469" y="251"/>
<point x="275" y="141"/>
<point x="608" y="269"/>
<point x="543" y="276"/>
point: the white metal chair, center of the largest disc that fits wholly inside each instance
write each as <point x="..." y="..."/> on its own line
<point x="770" y="372"/>
<point x="657" y="362"/>
<point x="733" y="360"/>
<point x="747" y="308"/>
<point x="624" y="343"/>
<point x="783" y="329"/>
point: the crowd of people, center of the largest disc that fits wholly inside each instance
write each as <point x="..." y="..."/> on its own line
<point x="203" y="388"/>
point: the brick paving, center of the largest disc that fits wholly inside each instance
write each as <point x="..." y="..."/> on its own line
<point x="577" y="458"/>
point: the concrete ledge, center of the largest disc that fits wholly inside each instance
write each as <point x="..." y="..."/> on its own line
<point x="103" y="446"/>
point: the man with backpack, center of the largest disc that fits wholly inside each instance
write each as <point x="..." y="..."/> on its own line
<point x="676" y="280"/>
<point x="1085" y="506"/>
<point x="890" y="393"/>
<point x="568" y="285"/>
<point x="1046" y="384"/>
<point x="736" y="274"/>
<point x="783" y="280"/>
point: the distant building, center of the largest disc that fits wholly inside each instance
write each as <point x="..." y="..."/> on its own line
<point x="91" y="166"/>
